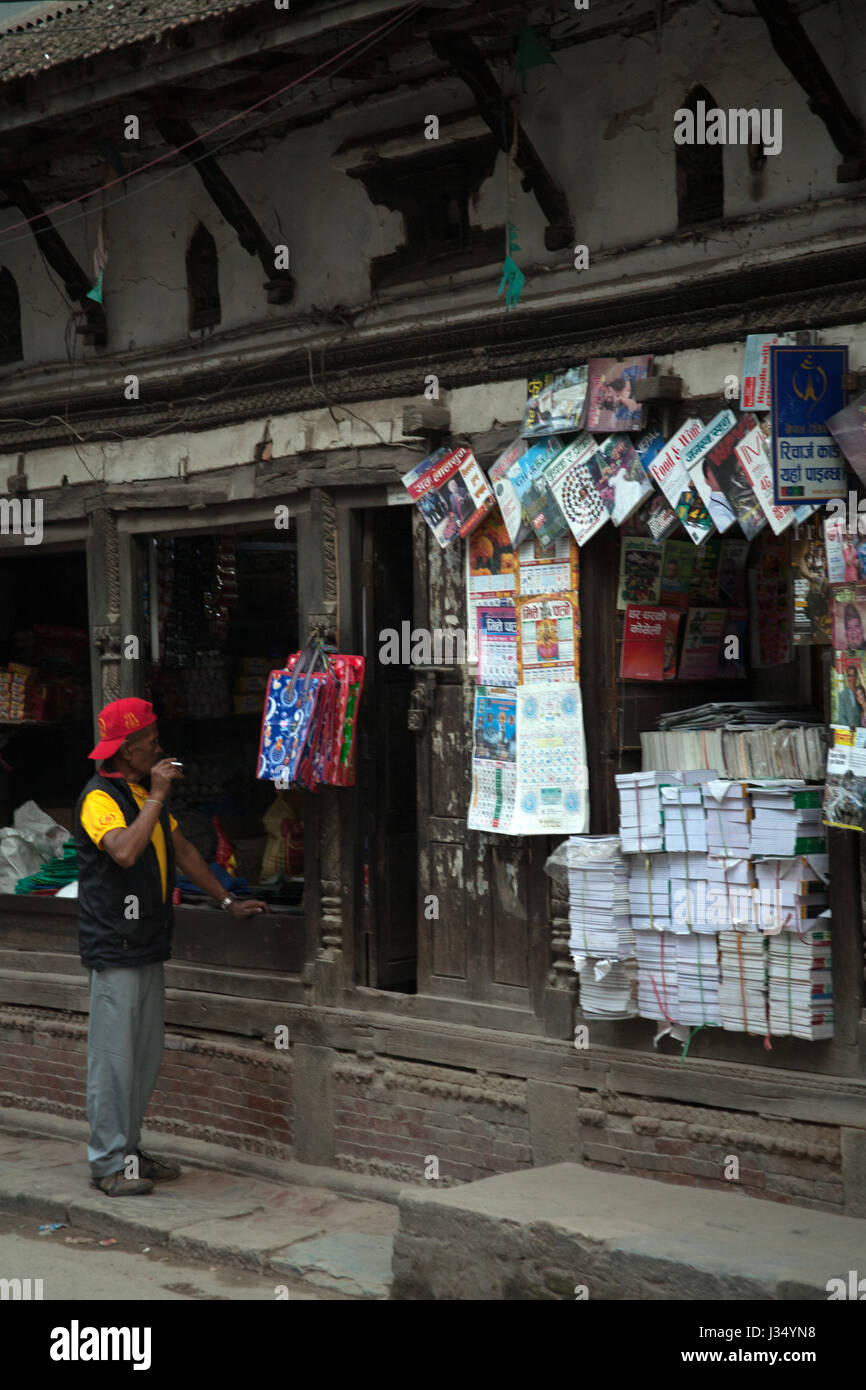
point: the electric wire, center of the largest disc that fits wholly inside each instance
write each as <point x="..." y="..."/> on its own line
<point x="361" y="44"/>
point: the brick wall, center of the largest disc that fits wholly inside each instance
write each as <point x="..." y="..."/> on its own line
<point x="781" y="1160"/>
<point x="233" y="1093"/>
<point x="391" y="1116"/>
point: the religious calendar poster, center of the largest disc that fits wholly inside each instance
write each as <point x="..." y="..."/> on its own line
<point x="551" y="795"/>
<point x="548" y="638"/>
<point x="494" y="750"/>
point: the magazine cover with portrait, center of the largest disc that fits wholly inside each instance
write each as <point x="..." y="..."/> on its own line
<point x="849" y="617"/>
<point x="611" y="403"/>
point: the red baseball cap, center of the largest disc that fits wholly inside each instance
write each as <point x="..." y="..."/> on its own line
<point x="117" y="721"/>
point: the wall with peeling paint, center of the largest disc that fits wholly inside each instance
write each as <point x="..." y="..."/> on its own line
<point x="602" y="118"/>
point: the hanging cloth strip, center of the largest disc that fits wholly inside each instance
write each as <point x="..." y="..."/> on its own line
<point x="742" y="981"/>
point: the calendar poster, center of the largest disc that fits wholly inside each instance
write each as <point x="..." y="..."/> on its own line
<point x="548" y="638"/>
<point x="552" y="783"/>
<point x="494" y="749"/>
<point x="497" y="646"/>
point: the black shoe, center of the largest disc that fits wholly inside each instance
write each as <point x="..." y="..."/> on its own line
<point x="119" y="1185"/>
<point x="157" y="1169"/>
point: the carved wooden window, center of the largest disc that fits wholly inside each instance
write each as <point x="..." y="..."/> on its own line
<point x="700" y="177"/>
<point x="10" y="318"/>
<point x="202" y="278"/>
<point x="433" y="191"/>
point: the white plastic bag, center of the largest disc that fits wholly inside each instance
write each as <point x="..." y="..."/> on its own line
<point x="19" y="857"/>
<point x="42" y="832"/>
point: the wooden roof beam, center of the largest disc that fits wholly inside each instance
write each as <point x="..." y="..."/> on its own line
<point x="60" y="258"/>
<point x="459" y="51"/>
<point x="801" y="58"/>
<point x="280" y="284"/>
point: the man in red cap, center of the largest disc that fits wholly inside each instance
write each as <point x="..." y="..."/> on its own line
<point x="128" y="845"/>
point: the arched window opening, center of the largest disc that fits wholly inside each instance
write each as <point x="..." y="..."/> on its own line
<point x="700" y="176"/>
<point x="10" y="318"/>
<point x="202" y="278"/>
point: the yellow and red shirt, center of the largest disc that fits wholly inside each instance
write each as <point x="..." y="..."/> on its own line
<point x="101" y="813"/>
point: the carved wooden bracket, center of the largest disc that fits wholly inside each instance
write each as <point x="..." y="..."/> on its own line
<point x="60" y="258"/>
<point x="800" y="57"/>
<point x="280" y="285"/>
<point x="458" y="49"/>
<point x="658" y="388"/>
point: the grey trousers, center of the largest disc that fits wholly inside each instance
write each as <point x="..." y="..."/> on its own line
<point x="124" y="1049"/>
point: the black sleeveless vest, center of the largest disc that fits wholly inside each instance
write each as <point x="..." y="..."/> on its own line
<point x="107" y="935"/>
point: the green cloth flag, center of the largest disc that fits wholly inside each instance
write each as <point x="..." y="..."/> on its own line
<point x="532" y="52"/>
<point x="512" y="282"/>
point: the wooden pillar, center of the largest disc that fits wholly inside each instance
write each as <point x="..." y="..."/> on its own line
<point x="318" y="557"/>
<point x="103" y="585"/>
<point x="560" y="996"/>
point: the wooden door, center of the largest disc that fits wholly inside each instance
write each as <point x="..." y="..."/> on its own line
<point x="483" y="920"/>
<point x="386" y="773"/>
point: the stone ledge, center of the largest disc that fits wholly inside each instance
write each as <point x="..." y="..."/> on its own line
<point x="545" y="1232"/>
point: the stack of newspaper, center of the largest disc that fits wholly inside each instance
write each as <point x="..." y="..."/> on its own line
<point x="753" y="739"/>
<point x="688" y="886"/>
<point x="792" y="893"/>
<point x="728" y="812"/>
<point x="640" y="810"/>
<point x="801" y="983"/>
<point x="698" y="978"/>
<point x="685" y="825"/>
<point x="730" y="893"/>
<point x="599" y="913"/>
<point x="657" y="992"/>
<point x="649" y="892"/>
<point x="786" y="818"/>
<point x="743" y="991"/>
<point x="608" y="989"/>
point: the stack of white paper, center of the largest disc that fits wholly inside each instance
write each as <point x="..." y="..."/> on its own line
<point x="640" y="810"/>
<point x="599" y="910"/>
<point x="730" y="893"/>
<point x="649" y="892"/>
<point x="792" y="893"/>
<point x="690" y="904"/>
<point x="801" y="983"/>
<point x="743" y="991"/>
<point x="698" y="978"/>
<point x="728" y="813"/>
<point x="657" y="993"/>
<point x="608" y="989"/>
<point x="685" y="825"/>
<point x="786" y="818"/>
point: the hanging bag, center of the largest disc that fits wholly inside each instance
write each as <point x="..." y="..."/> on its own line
<point x="290" y="706"/>
<point x="308" y="727"/>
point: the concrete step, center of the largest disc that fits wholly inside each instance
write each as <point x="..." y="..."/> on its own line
<point x="290" y="1230"/>
<point x="567" y="1232"/>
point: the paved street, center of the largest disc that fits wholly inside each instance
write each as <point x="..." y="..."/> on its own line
<point x="129" y="1270"/>
<point x="208" y="1234"/>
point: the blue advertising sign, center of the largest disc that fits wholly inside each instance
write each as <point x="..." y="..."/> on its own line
<point x="808" y="465"/>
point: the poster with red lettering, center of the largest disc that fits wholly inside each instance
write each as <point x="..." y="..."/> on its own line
<point x="649" y="644"/>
